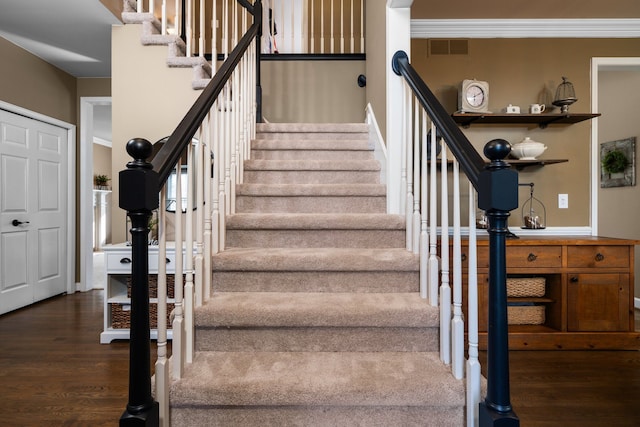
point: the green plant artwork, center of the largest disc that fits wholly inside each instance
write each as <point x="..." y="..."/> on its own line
<point x="617" y="163"/>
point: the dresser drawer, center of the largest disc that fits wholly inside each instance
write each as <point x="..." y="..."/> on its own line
<point x="598" y="256"/>
<point x="120" y="262"/>
<point x="534" y="256"/>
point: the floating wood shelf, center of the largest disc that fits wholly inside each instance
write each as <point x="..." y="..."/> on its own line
<point x="521" y="164"/>
<point x="541" y="120"/>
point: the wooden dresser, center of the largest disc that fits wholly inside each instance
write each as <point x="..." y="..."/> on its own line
<point x="587" y="301"/>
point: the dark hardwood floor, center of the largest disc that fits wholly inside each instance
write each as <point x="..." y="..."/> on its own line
<point x="54" y="372"/>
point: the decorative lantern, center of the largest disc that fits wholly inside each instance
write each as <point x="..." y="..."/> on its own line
<point x="565" y="95"/>
<point x="534" y="214"/>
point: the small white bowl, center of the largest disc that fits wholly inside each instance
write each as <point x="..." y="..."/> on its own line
<point x="527" y="149"/>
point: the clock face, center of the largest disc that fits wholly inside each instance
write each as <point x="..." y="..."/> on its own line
<point x="475" y="95"/>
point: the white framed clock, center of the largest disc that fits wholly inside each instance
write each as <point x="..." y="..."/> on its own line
<point x="473" y="97"/>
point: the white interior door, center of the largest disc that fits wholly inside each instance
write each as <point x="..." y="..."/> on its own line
<point x="33" y="210"/>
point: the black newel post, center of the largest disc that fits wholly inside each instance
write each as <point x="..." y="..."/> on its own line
<point x="257" y="19"/>
<point x="139" y="197"/>
<point x="498" y="195"/>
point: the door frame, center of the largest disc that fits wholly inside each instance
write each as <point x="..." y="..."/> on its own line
<point x="85" y="176"/>
<point x="71" y="184"/>
<point x="603" y="64"/>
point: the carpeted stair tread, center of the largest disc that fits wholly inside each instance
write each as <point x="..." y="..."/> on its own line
<point x="317" y="378"/>
<point x="313" y="221"/>
<point x="312" y="165"/>
<point x="309" y="309"/>
<point x="315" y="259"/>
<point x="255" y="189"/>
<point x="311" y="145"/>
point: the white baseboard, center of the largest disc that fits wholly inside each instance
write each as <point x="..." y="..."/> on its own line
<point x="636" y="303"/>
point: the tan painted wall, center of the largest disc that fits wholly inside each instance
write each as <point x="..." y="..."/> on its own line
<point x="312" y="91"/>
<point x="142" y="82"/>
<point x="29" y="82"/>
<point x="376" y="66"/>
<point x="618" y="207"/>
<point x="520" y="72"/>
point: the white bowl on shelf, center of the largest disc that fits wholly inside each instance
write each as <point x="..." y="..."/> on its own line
<point x="527" y="149"/>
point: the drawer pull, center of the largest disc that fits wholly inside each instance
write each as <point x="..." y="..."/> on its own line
<point x="532" y="257"/>
<point x="125" y="261"/>
<point x="574" y="279"/>
<point x="599" y="257"/>
<point x="167" y="260"/>
<point x="464" y="257"/>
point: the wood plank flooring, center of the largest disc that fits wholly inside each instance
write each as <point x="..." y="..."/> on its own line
<point x="54" y="372"/>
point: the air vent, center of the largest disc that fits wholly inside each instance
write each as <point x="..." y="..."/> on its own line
<point x="448" y="47"/>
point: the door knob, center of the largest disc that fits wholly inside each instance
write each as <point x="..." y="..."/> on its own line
<point x="17" y="223"/>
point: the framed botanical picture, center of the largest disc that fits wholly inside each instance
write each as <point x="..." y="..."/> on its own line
<point x="618" y="163"/>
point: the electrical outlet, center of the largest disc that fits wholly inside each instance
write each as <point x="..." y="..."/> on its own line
<point x="563" y="201"/>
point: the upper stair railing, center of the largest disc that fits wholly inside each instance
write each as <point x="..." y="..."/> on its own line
<point x="428" y="130"/>
<point x="289" y="26"/>
<point x="192" y="178"/>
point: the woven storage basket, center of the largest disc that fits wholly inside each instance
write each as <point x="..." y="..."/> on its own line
<point x="121" y="318"/>
<point x="153" y="286"/>
<point x="525" y="315"/>
<point x="525" y="287"/>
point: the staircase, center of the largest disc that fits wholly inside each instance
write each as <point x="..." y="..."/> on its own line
<point x="315" y="317"/>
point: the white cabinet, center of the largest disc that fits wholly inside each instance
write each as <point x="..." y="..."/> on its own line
<point x="117" y="301"/>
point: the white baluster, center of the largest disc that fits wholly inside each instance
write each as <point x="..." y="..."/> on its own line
<point x="164" y="17"/>
<point x="332" y="36"/>
<point x="227" y="147"/>
<point x="189" y="292"/>
<point x="215" y="184"/>
<point x="312" y="38"/>
<point x="361" y="26"/>
<point x="139" y="6"/>
<point x="199" y="212"/>
<point x="177" y="18"/>
<point x="214" y="37"/>
<point x="473" y="364"/>
<point x="445" y="288"/>
<point x="424" y="235"/>
<point x="352" y="44"/>
<point x="207" y="207"/>
<point x="178" y="348"/>
<point x="433" y="223"/>
<point x="189" y="24"/>
<point x="162" y="364"/>
<point x="406" y="108"/>
<point x="416" y="180"/>
<point x="202" y="30"/>
<point x="225" y="28"/>
<point x="341" y="26"/>
<point x="408" y="165"/>
<point x="321" y="26"/>
<point x="152" y="6"/>
<point x="220" y="163"/>
<point x="457" y="323"/>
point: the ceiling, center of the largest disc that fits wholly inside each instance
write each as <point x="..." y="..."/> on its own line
<point x="73" y="35"/>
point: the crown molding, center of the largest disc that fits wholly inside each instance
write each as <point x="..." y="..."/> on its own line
<point x="525" y="28"/>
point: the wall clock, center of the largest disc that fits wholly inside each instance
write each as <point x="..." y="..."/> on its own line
<point x="473" y="97"/>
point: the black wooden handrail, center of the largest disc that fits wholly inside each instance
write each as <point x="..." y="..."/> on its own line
<point x="470" y="160"/>
<point x="497" y="187"/>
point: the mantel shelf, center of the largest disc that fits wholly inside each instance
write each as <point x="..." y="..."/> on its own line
<point x="541" y="120"/>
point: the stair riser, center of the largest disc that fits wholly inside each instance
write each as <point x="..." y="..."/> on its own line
<point x="317" y="339"/>
<point x="316" y="238"/>
<point x="310" y="155"/>
<point x="342" y="136"/>
<point x="311" y="177"/>
<point x="315" y="281"/>
<point x="304" y="204"/>
<point x="324" y="416"/>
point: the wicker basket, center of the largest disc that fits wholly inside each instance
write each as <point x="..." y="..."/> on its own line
<point x="521" y="287"/>
<point x="153" y="286"/>
<point x="121" y="316"/>
<point x="525" y="315"/>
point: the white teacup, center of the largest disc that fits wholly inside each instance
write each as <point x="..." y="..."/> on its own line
<point x="536" y="108"/>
